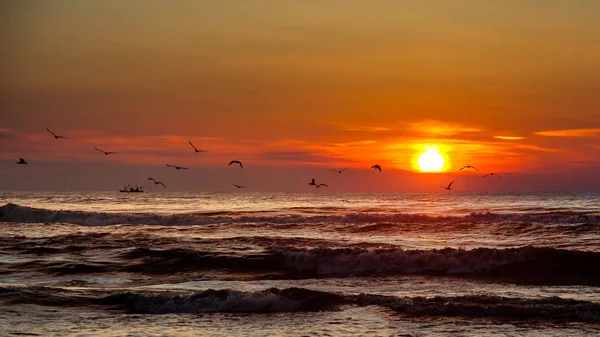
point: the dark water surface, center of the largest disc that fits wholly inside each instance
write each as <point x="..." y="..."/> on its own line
<point x="265" y="264"/>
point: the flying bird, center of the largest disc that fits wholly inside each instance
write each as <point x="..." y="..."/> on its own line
<point x="377" y="167"/>
<point x="322" y="185"/>
<point x="195" y="149"/>
<point x="54" y="134"/>
<point x="581" y="216"/>
<point x="344" y="200"/>
<point x="469" y="166"/>
<point x="339" y="171"/>
<point x="313" y="183"/>
<point x="157" y="182"/>
<point x="177" y="167"/>
<point x="22" y="161"/>
<point x="449" y="187"/>
<point x="239" y="186"/>
<point x="105" y="152"/>
<point x="491" y="174"/>
<point x="236" y="162"/>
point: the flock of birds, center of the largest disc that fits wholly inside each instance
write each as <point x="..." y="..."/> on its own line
<point x="449" y="187"/>
<point x="377" y="167"/>
<point x="22" y="161"/>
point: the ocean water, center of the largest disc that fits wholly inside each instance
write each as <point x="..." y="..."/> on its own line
<point x="289" y="264"/>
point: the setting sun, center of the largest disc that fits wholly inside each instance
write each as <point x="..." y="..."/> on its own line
<point x="430" y="161"/>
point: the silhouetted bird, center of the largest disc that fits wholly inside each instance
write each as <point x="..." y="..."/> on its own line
<point x="377" y="167"/>
<point x="177" y="167"/>
<point x="105" y="152"/>
<point x="491" y="174"/>
<point x="195" y="149"/>
<point x="239" y="186"/>
<point x="581" y="216"/>
<point x="22" y="161"/>
<point x="236" y="162"/>
<point x="322" y="185"/>
<point x="449" y="187"/>
<point x="313" y="183"/>
<point x="157" y="182"/>
<point x="55" y="136"/>
<point x="339" y="171"/>
<point x="344" y="200"/>
<point x="469" y="166"/>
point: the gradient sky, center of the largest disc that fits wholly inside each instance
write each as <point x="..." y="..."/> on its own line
<point x="294" y="88"/>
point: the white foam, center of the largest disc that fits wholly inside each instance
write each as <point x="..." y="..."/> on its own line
<point x="16" y="213"/>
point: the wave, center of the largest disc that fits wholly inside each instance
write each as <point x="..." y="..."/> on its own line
<point x="300" y="299"/>
<point x="526" y="265"/>
<point x="170" y="261"/>
<point x="270" y="300"/>
<point x="522" y="265"/>
<point x="549" y="308"/>
<point x="60" y="268"/>
<point x="23" y="214"/>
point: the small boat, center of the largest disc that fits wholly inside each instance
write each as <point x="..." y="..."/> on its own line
<point x="130" y="189"/>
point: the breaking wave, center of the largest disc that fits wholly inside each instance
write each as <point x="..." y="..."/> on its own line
<point x="529" y="265"/>
<point x="300" y="299"/>
<point x="549" y="308"/>
<point x="526" y="264"/>
<point x="16" y="213"/>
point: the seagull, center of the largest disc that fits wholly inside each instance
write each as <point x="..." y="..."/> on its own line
<point x="469" y="166"/>
<point x="177" y="167"/>
<point x="239" y="186"/>
<point x="22" y="161"/>
<point x="449" y="187"/>
<point x="377" y="167"/>
<point x="105" y="153"/>
<point x="236" y="162"/>
<point x="339" y="171"/>
<point x="491" y="174"/>
<point x="195" y="149"/>
<point x="581" y="216"/>
<point x="322" y="185"/>
<point x="344" y="200"/>
<point x="313" y="183"/>
<point x="157" y="182"/>
<point x="54" y="134"/>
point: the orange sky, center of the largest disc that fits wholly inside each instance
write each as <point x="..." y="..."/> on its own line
<point x="508" y="86"/>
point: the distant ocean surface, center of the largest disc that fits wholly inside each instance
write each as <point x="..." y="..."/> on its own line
<point x="289" y="264"/>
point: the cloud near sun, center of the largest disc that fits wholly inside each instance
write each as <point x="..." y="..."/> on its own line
<point x="420" y="146"/>
<point x="510" y="137"/>
<point x="589" y="132"/>
<point x="436" y="127"/>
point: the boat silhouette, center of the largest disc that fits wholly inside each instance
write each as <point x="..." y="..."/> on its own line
<point x="130" y="189"/>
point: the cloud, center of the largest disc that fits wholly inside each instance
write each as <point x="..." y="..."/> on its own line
<point x="367" y="128"/>
<point x="7" y="134"/>
<point x="510" y="137"/>
<point x="296" y="156"/>
<point x="359" y="128"/>
<point x="356" y="143"/>
<point x="538" y="148"/>
<point x="589" y="132"/>
<point x="435" y="127"/>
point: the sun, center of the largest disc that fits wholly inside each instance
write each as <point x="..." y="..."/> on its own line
<point x="430" y="161"/>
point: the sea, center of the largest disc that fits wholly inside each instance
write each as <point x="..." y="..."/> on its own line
<point x="249" y="263"/>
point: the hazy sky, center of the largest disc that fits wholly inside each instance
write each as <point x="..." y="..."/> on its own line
<point x="294" y="88"/>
